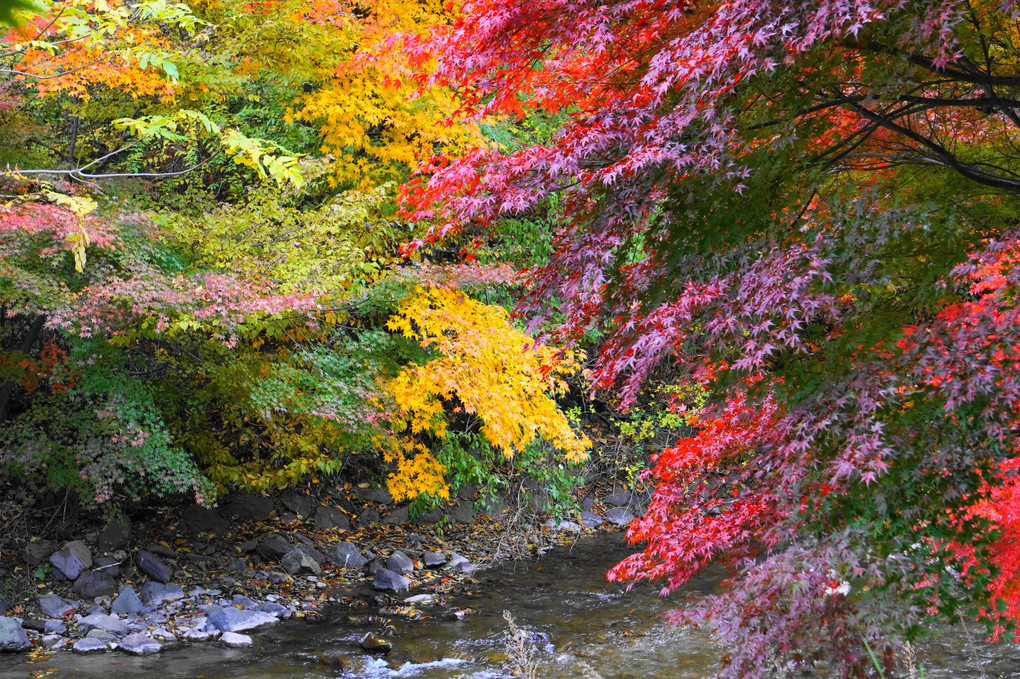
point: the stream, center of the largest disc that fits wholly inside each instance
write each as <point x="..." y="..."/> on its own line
<point x="575" y="620"/>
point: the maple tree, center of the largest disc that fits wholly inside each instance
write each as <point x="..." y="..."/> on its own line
<point x="807" y="209"/>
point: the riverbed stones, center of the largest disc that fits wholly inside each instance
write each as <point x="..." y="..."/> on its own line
<point x="12" y="636"/>
<point x="54" y="606"/>
<point x="368" y="516"/>
<point x="462" y="512"/>
<point x="127" y="602"/>
<point x="139" y="644"/>
<point x="346" y="555"/>
<point x="299" y="503"/>
<point x="373" y="643"/>
<point x="151" y="565"/>
<point x="116" y="535"/>
<point x="388" y="580"/>
<point x="200" y="519"/>
<point x="87" y="645"/>
<point x="38" y="551"/>
<point x="397" y="515"/>
<point x="380" y="495"/>
<point x="327" y="518"/>
<point x="591" y="519"/>
<point x="235" y="640"/>
<point x="72" y="559"/>
<point x="107" y="623"/>
<point x="619" y="499"/>
<point x="620" y="516"/>
<point x="91" y="584"/>
<point x="399" y="563"/>
<point x="238" y="620"/>
<point x="297" y="562"/>
<point x="155" y="593"/>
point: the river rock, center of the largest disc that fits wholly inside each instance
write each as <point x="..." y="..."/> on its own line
<point x="102" y="635"/>
<point x="591" y="519"/>
<point x="107" y="623"/>
<point x="154" y="568"/>
<point x="54" y="627"/>
<point x="399" y="563"/>
<point x="619" y="499"/>
<point x="200" y="519"/>
<point x="54" y="606"/>
<point x="139" y="644"/>
<point x="434" y="559"/>
<point x="161" y="551"/>
<point x="368" y="516"/>
<point x="561" y="525"/>
<point x="619" y="516"/>
<point x="235" y="640"/>
<point x="299" y="503"/>
<point x="12" y="636"/>
<point x="155" y="593"/>
<point x="430" y="518"/>
<point x="243" y="602"/>
<point x="374" y="643"/>
<point x="273" y="608"/>
<point x="327" y="518"/>
<point x="237" y="620"/>
<point x="297" y="561"/>
<point x="250" y="507"/>
<point x="70" y="561"/>
<point x="108" y="565"/>
<point x="87" y="645"/>
<point x="127" y="602"/>
<point x="38" y="551"/>
<point x="459" y="564"/>
<point x="385" y="579"/>
<point x="311" y="551"/>
<point x="274" y="546"/>
<point x="116" y="535"/>
<point x="91" y="584"/>
<point x="346" y="555"/>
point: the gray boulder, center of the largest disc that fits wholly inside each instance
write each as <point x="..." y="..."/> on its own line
<point x="297" y="561"/>
<point x="38" y="551"/>
<point x="385" y="579"/>
<point x="619" y="516"/>
<point x="397" y="515"/>
<point x="127" y="602"/>
<point x="299" y="503"/>
<point x="54" y="606"/>
<point x="237" y="620"/>
<point x="108" y="565"/>
<point x="380" y="495"/>
<point x="327" y="518"/>
<point x="591" y="519"/>
<point x="368" y="516"/>
<point x="273" y="608"/>
<point x="12" y="636"/>
<point x="312" y="552"/>
<point x="107" y="623"/>
<point x="274" y="546"/>
<point x="462" y="512"/>
<point x="155" y="593"/>
<point x="346" y="555"/>
<point x="620" y="499"/>
<point x="434" y="559"/>
<point x="465" y="567"/>
<point x="399" y="563"/>
<point x="70" y="561"/>
<point x="235" y="640"/>
<point x="200" y="519"/>
<point x="139" y="644"/>
<point x="91" y="584"/>
<point x="154" y="568"/>
<point x="116" y="535"/>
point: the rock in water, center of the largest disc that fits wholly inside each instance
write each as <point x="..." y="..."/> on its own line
<point x="237" y="620"/>
<point x="107" y="623"/>
<point x="399" y="563"/>
<point x="139" y="644"/>
<point x="297" y="561"/>
<point x="376" y="644"/>
<point x="346" y="555"/>
<point x="154" y="568"/>
<point x="55" y="607"/>
<point x="385" y="579"/>
<point x="127" y="602"/>
<point x="74" y="558"/>
<point x="90" y="645"/>
<point x="12" y="636"/>
<point x="235" y="640"/>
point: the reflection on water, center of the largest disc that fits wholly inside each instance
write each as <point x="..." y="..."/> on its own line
<point x="578" y="623"/>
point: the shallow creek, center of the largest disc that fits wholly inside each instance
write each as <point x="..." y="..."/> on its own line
<point x="574" y="617"/>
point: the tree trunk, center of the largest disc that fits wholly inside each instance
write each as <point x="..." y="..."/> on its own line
<point x="26" y="345"/>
